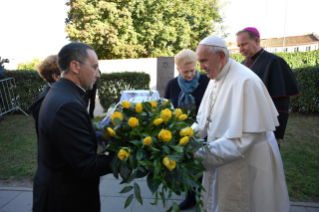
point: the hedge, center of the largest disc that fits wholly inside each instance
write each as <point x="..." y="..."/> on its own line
<point x="28" y="86"/>
<point x="111" y="86"/>
<point x="308" y="82"/>
<point x="295" y="59"/>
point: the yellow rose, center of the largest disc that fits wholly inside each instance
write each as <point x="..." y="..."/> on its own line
<point x="191" y="132"/>
<point x="187" y="131"/>
<point x="183" y="141"/>
<point x="178" y="112"/>
<point x="111" y="131"/>
<point x="154" y="104"/>
<point x="164" y="102"/>
<point x="182" y="117"/>
<point x="169" y="163"/>
<point x="166" y="114"/>
<point x="133" y="122"/>
<point x="147" y="141"/>
<point x="123" y="153"/>
<point x="118" y="115"/>
<point x="139" y="108"/>
<point x="126" y="104"/>
<point x="165" y="135"/>
<point x="158" y="121"/>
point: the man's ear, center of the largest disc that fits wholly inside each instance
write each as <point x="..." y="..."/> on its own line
<point x="74" y="66"/>
<point x="257" y="40"/>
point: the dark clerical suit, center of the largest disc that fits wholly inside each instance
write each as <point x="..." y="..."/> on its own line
<point x="280" y="82"/>
<point x="69" y="171"/>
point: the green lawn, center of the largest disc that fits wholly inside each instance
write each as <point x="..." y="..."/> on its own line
<point x="299" y="150"/>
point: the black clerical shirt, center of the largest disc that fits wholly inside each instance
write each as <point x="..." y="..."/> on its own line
<point x="280" y="82"/>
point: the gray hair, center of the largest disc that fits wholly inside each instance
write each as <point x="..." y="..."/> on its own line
<point x="216" y="49"/>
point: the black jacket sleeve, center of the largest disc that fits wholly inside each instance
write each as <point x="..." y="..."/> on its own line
<point x="75" y="140"/>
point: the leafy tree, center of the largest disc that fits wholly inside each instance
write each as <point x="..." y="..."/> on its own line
<point x="140" y="28"/>
<point x="28" y="65"/>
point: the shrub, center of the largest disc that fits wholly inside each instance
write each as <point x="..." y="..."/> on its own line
<point x="110" y="86"/>
<point x="294" y="59"/>
<point x="308" y="82"/>
<point x="28" y="86"/>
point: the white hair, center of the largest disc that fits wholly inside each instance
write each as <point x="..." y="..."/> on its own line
<point x="184" y="57"/>
<point x="216" y="49"/>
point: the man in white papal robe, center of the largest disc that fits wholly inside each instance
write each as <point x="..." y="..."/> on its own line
<point x="244" y="170"/>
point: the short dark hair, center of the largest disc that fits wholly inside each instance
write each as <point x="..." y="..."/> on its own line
<point x="72" y="51"/>
<point x="252" y="36"/>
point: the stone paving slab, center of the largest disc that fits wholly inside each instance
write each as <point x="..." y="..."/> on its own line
<point x="7" y="196"/>
<point x="21" y="203"/>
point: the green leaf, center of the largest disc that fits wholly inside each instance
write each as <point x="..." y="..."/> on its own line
<point x="141" y="172"/>
<point x="171" y="208"/>
<point x="137" y="192"/>
<point x="146" y="163"/>
<point x="153" y="149"/>
<point x="114" y="166"/>
<point x="166" y="149"/>
<point x="192" y="112"/>
<point x="117" y="121"/>
<point x="151" y="185"/>
<point x="129" y="200"/>
<point x="137" y="143"/>
<point x="156" y="199"/>
<point x="139" y="154"/>
<point x="176" y="148"/>
<point x="163" y="198"/>
<point x="125" y="172"/>
<point x="126" y="189"/>
<point x="175" y="207"/>
<point x="97" y="126"/>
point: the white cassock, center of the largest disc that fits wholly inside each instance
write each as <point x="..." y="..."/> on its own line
<point x="243" y="162"/>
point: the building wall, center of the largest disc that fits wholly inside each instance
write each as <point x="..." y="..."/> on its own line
<point x="147" y="65"/>
<point x="302" y="48"/>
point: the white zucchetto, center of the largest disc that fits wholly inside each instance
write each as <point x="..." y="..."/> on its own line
<point x="214" y="41"/>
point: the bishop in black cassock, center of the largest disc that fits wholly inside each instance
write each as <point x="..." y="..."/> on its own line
<point x="273" y="71"/>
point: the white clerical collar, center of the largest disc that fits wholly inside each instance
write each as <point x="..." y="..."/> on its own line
<point x="223" y="72"/>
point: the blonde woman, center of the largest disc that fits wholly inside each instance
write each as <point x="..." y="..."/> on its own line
<point x="186" y="91"/>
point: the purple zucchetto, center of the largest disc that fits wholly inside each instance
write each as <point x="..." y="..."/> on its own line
<point x="253" y="30"/>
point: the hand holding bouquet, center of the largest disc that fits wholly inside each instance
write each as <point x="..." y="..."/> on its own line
<point x="150" y="139"/>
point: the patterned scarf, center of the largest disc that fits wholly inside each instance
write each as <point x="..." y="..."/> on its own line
<point x="185" y="98"/>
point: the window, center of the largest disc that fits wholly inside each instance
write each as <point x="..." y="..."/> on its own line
<point x="308" y="48"/>
<point x="275" y="50"/>
<point x="296" y="49"/>
<point x="285" y="49"/>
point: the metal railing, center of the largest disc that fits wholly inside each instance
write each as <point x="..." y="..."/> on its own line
<point x="9" y="102"/>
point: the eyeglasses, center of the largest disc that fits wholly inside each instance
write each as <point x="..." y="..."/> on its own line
<point x="95" y="67"/>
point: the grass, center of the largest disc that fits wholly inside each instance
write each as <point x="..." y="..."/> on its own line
<point x="300" y="155"/>
<point x="299" y="151"/>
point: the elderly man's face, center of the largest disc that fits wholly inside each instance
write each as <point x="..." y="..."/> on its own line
<point x="247" y="47"/>
<point x="210" y="62"/>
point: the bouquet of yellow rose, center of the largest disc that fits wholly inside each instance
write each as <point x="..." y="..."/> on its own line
<point x="150" y="139"/>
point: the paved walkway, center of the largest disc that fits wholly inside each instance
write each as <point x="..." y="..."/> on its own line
<point x="17" y="199"/>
